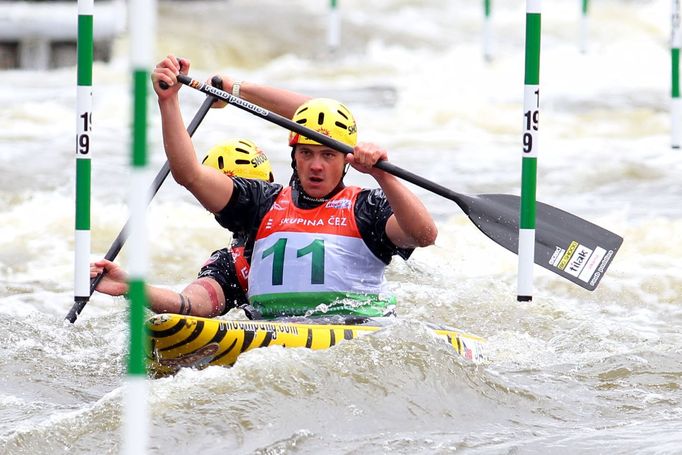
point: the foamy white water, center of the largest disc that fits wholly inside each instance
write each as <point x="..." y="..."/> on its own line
<point x="572" y="372"/>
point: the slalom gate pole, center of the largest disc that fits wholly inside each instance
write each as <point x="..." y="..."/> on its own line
<point x="531" y="118"/>
<point x="676" y="103"/>
<point x="584" y="26"/>
<point x="135" y="410"/>
<point x="487" y="30"/>
<point x="334" y="27"/>
<point x="85" y="46"/>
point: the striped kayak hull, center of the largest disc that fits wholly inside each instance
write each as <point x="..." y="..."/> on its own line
<point x="177" y="341"/>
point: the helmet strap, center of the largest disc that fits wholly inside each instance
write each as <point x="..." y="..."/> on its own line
<point x="293" y="160"/>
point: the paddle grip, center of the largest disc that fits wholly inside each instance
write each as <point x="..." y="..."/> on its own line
<point x="163" y="84"/>
<point x="216" y="81"/>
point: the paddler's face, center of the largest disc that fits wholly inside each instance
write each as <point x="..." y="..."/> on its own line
<point x="319" y="168"/>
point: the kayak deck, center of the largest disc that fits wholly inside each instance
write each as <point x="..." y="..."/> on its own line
<point x="177" y="341"/>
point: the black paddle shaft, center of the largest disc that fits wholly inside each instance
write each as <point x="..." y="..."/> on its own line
<point x="153" y="189"/>
<point x="565" y="244"/>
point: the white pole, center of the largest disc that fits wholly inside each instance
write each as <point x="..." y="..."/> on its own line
<point x="334" y="28"/>
<point x="487" y="30"/>
<point x="135" y="410"/>
<point x="531" y="121"/>
<point x="85" y="53"/>
<point x="584" y="26"/>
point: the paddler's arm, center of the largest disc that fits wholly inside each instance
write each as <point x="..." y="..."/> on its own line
<point x="211" y="187"/>
<point x="280" y="101"/>
<point x="203" y="297"/>
<point x="411" y="224"/>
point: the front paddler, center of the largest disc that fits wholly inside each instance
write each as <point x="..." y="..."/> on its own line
<point x="317" y="247"/>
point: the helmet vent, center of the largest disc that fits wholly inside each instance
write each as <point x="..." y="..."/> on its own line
<point x="241" y="150"/>
<point x="242" y="162"/>
<point x="326" y="116"/>
<point x="221" y="162"/>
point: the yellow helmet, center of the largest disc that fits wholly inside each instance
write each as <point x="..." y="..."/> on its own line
<point x="328" y="117"/>
<point x="240" y="158"/>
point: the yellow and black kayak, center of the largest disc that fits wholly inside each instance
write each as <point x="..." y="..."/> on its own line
<point x="177" y="341"/>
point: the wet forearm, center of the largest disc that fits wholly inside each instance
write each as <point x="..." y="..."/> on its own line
<point x="191" y="301"/>
<point x="411" y="215"/>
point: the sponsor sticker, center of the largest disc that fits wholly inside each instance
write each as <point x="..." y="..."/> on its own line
<point x="567" y="255"/>
<point x="592" y="264"/>
<point x="580" y="257"/>
<point x="338" y="204"/>
<point x="556" y="257"/>
<point x="602" y="266"/>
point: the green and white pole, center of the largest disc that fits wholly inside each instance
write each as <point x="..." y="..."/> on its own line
<point x="676" y="106"/>
<point x="135" y="409"/>
<point x="584" y="25"/>
<point x="531" y="118"/>
<point x="487" y="30"/>
<point x="83" y="140"/>
<point x="334" y="27"/>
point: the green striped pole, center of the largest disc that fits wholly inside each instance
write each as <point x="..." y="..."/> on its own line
<point x="531" y="117"/>
<point x="487" y="31"/>
<point x="334" y="28"/>
<point x="135" y="411"/>
<point x="83" y="161"/>
<point x="676" y="106"/>
<point x="584" y="26"/>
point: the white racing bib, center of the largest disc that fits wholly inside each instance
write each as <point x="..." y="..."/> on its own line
<point x="315" y="260"/>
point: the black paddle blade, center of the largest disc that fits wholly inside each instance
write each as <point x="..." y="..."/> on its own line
<point x="565" y="244"/>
